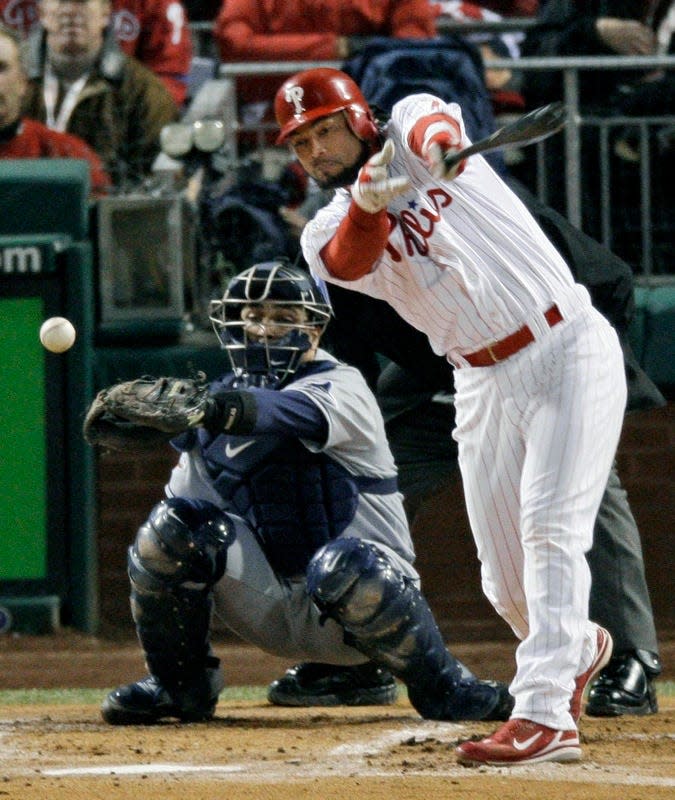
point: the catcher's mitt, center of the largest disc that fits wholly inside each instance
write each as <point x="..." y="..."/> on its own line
<point x="148" y="410"/>
<point x="145" y="410"/>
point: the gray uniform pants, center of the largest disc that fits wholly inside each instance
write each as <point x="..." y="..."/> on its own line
<point x="275" y="613"/>
<point x="619" y="595"/>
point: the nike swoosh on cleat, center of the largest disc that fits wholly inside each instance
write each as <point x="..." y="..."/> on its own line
<point x="527" y="743"/>
<point x="231" y="452"/>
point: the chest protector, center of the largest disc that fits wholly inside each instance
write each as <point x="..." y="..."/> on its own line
<point x="296" y="500"/>
<point x="300" y="501"/>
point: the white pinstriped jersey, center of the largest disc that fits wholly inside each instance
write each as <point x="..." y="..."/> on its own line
<point x="465" y="261"/>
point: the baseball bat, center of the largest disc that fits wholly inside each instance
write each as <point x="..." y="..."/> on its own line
<point x="528" y="129"/>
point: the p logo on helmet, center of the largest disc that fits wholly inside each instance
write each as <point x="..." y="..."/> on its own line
<point x="294" y="94"/>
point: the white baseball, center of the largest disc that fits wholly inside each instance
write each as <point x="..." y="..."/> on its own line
<point x="57" y="334"/>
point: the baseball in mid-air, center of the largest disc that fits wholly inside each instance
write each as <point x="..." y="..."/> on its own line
<point x="57" y="334"/>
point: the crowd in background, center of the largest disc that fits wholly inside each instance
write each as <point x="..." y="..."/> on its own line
<point x="113" y="73"/>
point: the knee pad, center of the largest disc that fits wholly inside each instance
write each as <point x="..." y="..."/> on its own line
<point x="355" y="583"/>
<point x="182" y="543"/>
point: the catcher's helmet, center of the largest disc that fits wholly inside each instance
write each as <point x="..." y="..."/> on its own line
<point x="316" y="93"/>
<point x="266" y="361"/>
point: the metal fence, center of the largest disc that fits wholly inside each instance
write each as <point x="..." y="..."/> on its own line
<point x="644" y="128"/>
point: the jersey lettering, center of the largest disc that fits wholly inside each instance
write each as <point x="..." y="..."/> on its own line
<point x="126" y="25"/>
<point x="22" y="15"/>
<point x="176" y="17"/>
<point x="418" y="227"/>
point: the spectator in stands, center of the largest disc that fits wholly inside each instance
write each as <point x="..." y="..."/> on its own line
<point x="156" y="32"/>
<point x="153" y="31"/>
<point x="26" y="138"/>
<point x="503" y="84"/>
<point x="602" y="28"/>
<point x="287" y="30"/>
<point x="595" y="28"/>
<point x="82" y="83"/>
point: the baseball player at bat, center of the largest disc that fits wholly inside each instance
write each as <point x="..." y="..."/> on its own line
<point x="282" y="519"/>
<point x="540" y="385"/>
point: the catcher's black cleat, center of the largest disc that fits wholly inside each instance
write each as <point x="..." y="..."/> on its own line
<point x="625" y="687"/>
<point x="147" y="701"/>
<point x="467" y="700"/>
<point x="312" y="684"/>
<point x="505" y="702"/>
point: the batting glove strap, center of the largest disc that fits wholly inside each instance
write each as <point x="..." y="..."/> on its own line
<point x="232" y="412"/>
<point x="374" y="189"/>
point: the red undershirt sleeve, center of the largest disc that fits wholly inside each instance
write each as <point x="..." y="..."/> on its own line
<point x="357" y="244"/>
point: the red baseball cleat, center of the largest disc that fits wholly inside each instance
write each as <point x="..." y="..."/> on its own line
<point x="520" y="741"/>
<point x="602" y="657"/>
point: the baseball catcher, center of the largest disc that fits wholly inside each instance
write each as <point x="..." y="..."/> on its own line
<point x="282" y="519"/>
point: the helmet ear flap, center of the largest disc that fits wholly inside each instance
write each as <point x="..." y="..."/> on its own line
<point x="363" y="125"/>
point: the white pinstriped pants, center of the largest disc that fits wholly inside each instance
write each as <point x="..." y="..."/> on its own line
<point x="537" y="434"/>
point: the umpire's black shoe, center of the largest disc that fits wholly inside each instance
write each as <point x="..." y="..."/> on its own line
<point x="147" y="701"/>
<point x="311" y="684"/>
<point x="625" y="686"/>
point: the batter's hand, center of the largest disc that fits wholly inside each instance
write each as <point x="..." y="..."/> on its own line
<point x="442" y="140"/>
<point x="374" y="189"/>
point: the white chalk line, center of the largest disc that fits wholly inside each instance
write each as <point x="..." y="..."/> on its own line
<point x="141" y="769"/>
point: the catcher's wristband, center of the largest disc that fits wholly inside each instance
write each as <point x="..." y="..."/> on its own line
<point x="230" y="412"/>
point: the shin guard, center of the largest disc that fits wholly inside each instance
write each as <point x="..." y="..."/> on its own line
<point x="386" y="617"/>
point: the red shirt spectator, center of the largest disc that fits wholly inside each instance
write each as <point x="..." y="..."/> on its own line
<point x="153" y="31"/>
<point x="299" y="30"/>
<point x="32" y="139"/>
<point x="156" y="32"/>
<point x="286" y="30"/>
<point x="504" y="86"/>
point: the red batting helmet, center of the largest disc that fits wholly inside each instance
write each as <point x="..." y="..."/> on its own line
<point x="317" y="93"/>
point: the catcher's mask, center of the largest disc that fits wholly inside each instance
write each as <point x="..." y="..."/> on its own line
<point x="258" y="358"/>
<point x="320" y="92"/>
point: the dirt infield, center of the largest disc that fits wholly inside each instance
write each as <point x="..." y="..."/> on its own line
<point x="253" y="750"/>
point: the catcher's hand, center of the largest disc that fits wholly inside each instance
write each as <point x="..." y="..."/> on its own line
<point x="374" y="189"/>
<point x="156" y="409"/>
